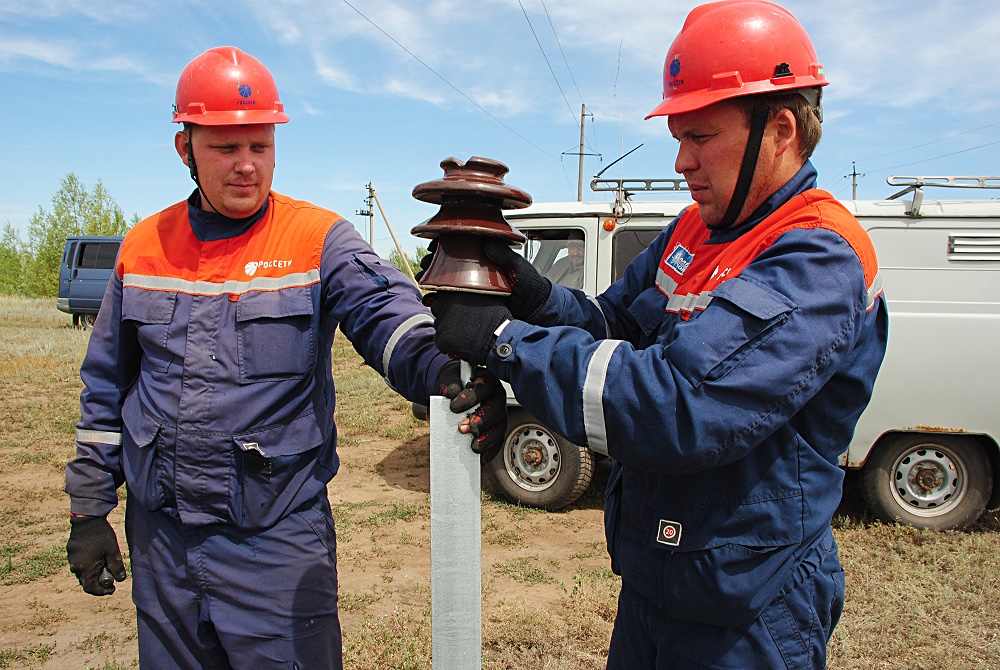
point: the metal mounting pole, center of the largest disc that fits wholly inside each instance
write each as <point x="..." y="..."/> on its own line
<point x="579" y="187"/>
<point x="456" y="549"/>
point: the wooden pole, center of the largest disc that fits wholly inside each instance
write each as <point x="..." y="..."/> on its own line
<point x="406" y="265"/>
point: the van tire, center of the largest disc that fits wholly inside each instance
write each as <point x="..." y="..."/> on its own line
<point x="927" y="480"/>
<point x="84" y="320"/>
<point x="537" y="467"/>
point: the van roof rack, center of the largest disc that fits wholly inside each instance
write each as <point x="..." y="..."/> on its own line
<point x="917" y="184"/>
<point x="624" y="189"/>
<point x="634" y="185"/>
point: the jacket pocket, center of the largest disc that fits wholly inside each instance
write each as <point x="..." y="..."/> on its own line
<point x="151" y="313"/>
<point x="649" y="310"/>
<point x="722" y="565"/>
<point x="275" y="335"/>
<point x="146" y="463"/>
<point x="741" y="317"/>
<point x="273" y="467"/>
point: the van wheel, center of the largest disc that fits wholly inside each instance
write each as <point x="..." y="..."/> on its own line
<point x="84" y="320"/>
<point x="927" y="480"/>
<point x="538" y="467"/>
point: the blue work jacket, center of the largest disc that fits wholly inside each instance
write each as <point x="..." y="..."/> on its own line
<point x="725" y="398"/>
<point x="208" y="384"/>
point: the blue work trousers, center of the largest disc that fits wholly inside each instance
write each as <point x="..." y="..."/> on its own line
<point x="792" y="632"/>
<point x="216" y="597"/>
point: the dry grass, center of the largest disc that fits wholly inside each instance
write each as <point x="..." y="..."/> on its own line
<point x="916" y="599"/>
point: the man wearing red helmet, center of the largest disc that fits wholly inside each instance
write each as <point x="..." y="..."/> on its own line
<point x="725" y="371"/>
<point x="208" y="392"/>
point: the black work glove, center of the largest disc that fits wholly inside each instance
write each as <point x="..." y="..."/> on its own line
<point x="529" y="290"/>
<point x="488" y="423"/>
<point x="464" y="322"/>
<point x="93" y="554"/>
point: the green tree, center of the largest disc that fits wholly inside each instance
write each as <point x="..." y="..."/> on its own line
<point x="11" y="261"/>
<point x="412" y="261"/>
<point x="74" y="212"/>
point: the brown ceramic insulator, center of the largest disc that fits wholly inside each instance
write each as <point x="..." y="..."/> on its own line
<point x="469" y="218"/>
<point x="472" y="195"/>
<point x="460" y="265"/>
<point x="477" y="179"/>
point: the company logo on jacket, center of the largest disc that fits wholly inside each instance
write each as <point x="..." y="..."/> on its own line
<point x="252" y="267"/>
<point x="679" y="259"/>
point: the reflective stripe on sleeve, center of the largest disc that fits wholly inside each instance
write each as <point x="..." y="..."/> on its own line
<point x="607" y="326"/>
<point x="98" y="436"/>
<point x="398" y="335"/>
<point x="873" y="292"/>
<point x="593" y="396"/>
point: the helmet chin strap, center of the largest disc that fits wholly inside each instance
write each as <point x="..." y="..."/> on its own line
<point x="193" y="169"/>
<point x="758" y="121"/>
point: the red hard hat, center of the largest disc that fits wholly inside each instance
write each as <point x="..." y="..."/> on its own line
<point x="735" y="48"/>
<point x="225" y="86"/>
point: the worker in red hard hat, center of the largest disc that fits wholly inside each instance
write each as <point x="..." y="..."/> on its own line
<point x="724" y="373"/>
<point x="208" y="393"/>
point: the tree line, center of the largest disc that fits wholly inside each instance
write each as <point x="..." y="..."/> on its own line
<point x="30" y="267"/>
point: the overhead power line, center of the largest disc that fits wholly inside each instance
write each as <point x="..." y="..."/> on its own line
<point x="934" y="158"/>
<point x="559" y="44"/>
<point x="453" y="87"/>
<point x="926" y="144"/>
<point x="546" y="58"/>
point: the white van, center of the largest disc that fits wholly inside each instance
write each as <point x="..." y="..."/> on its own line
<point x="927" y="446"/>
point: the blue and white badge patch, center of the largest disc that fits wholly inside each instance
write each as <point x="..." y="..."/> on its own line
<point x="669" y="533"/>
<point x="679" y="259"/>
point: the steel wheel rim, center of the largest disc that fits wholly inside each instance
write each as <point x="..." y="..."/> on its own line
<point x="928" y="480"/>
<point x="531" y="457"/>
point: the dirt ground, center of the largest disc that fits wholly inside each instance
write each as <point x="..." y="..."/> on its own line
<point x="381" y="504"/>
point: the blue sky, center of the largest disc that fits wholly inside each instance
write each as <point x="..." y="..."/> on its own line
<point x="382" y="91"/>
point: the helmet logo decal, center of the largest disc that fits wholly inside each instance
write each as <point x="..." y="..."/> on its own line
<point x="675" y="69"/>
<point x="245" y="91"/>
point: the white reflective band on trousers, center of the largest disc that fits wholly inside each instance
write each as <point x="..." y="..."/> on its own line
<point x="456" y="550"/>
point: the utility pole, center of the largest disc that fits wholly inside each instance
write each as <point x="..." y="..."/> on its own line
<point x="371" y="216"/>
<point x="854" y="181"/>
<point x="402" y="256"/>
<point x="579" y="188"/>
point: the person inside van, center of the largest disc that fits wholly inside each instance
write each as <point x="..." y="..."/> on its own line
<point x="724" y="372"/>
<point x="568" y="271"/>
<point x="208" y="392"/>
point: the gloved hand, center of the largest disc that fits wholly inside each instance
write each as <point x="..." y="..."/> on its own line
<point x="464" y="322"/>
<point x="93" y="554"/>
<point x="488" y="423"/>
<point x="529" y="289"/>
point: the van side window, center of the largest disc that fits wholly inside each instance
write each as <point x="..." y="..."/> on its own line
<point x="99" y="255"/>
<point x="625" y="246"/>
<point x="70" y="255"/>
